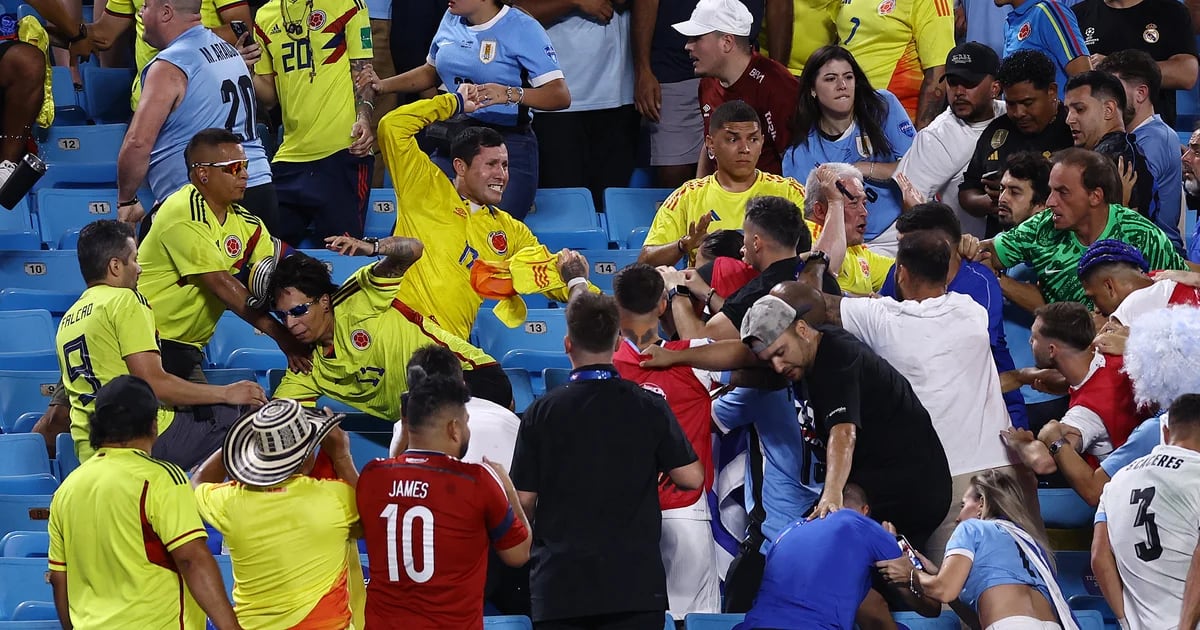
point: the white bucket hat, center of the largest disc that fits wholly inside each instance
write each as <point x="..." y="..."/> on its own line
<point x="265" y="447"/>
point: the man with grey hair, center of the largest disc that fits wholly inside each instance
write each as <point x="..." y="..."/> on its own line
<point x="860" y="271"/>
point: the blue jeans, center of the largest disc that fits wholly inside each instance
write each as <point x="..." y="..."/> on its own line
<point x="522" y="171"/>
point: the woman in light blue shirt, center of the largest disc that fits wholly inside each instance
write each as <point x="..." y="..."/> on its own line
<point x="1010" y="584"/>
<point x="508" y="55"/>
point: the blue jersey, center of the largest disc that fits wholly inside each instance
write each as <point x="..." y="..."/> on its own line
<point x="219" y="93"/>
<point x="511" y="49"/>
<point x="1017" y="325"/>
<point x="852" y="147"/>
<point x="1049" y="28"/>
<point x="1160" y="144"/>
<point x="819" y="572"/>
<point x="1140" y="442"/>
<point x="995" y="560"/>
<point x="977" y="281"/>
<point x="784" y="479"/>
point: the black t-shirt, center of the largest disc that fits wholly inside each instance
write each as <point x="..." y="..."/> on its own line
<point x="898" y="457"/>
<point x="592" y="450"/>
<point x="668" y="60"/>
<point x="1162" y="28"/>
<point x="738" y="304"/>
<point x="1120" y="144"/>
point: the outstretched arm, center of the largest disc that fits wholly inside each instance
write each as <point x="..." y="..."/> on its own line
<point x="399" y="252"/>
<point x="716" y="356"/>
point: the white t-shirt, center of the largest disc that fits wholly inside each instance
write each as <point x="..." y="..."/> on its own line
<point x="941" y="345"/>
<point x="939" y="155"/>
<point x="1148" y="300"/>
<point x="1152" y="507"/>
<point x="493" y="433"/>
<point x="595" y="59"/>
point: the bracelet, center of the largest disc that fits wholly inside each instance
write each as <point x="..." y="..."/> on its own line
<point x="131" y="202"/>
<point x="708" y="299"/>
<point x="508" y="96"/>
<point x="82" y="35"/>
<point x="872" y="175"/>
<point x="679" y="244"/>
<point x="574" y="282"/>
<point x="520" y="94"/>
<point x="912" y="582"/>
<point x="368" y="104"/>
<point x="374" y="244"/>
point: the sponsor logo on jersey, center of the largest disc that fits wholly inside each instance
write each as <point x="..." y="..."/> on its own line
<point x="994" y="156"/>
<point x="907" y="129"/>
<point x="487" y="50"/>
<point x="549" y="50"/>
<point x="1025" y="31"/>
<point x="1150" y="35"/>
<point x="886" y="7"/>
<point x="316" y="20"/>
<point x="360" y="339"/>
<point x="651" y="387"/>
<point x="1089" y="36"/>
<point x="275" y="30"/>
<point x="233" y="246"/>
<point x="499" y="241"/>
<point x="999" y="138"/>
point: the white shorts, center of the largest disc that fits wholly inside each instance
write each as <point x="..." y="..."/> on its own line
<point x="690" y="558"/>
<point x="1094" y="435"/>
<point x="1021" y="622"/>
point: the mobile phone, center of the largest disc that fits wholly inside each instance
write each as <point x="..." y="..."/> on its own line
<point x="239" y="28"/>
<point x="907" y="548"/>
<point x="842" y="189"/>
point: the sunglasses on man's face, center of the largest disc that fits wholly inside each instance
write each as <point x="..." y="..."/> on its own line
<point x="233" y="167"/>
<point x="297" y="311"/>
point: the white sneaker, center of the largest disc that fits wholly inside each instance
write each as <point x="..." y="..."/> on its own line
<point x="6" y="170"/>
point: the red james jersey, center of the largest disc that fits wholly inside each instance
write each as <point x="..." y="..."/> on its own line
<point x="428" y="519"/>
<point x="687" y="393"/>
<point x="1108" y="392"/>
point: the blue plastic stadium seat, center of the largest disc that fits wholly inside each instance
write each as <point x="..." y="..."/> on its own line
<point x="561" y="210"/>
<point x="26" y="421"/>
<point x="236" y="344"/>
<point x="381" y="213"/>
<point x="628" y="209"/>
<point x="24" y="512"/>
<point x="507" y="622"/>
<point x="106" y="91"/>
<point x="25" y="545"/>
<point x="1094" y="603"/>
<point x="225" y="564"/>
<point x="1062" y="508"/>
<point x="82" y="156"/>
<point x="522" y="387"/>
<point x="553" y="377"/>
<point x="17" y="227"/>
<point x="62" y="212"/>
<point x="41" y="483"/>
<point x="642" y="177"/>
<point x="64" y="448"/>
<point x="533" y="346"/>
<point x="56" y="302"/>
<point x="1073" y="570"/>
<point x="217" y="376"/>
<point x="583" y="238"/>
<point x="26" y="9"/>
<point x="35" y="611"/>
<point x="54" y="271"/>
<point x="948" y="620"/>
<point x="23" y="580"/>
<point x="24" y="392"/>
<point x="23" y="454"/>
<point x="605" y="263"/>
<point x="30" y="625"/>
<point x="668" y="621"/>
<point x="28" y="341"/>
<point x="340" y="267"/>
<point x="711" y="621"/>
<point x="1090" y="620"/>
<point x="68" y="96"/>
<point x="637" y="238"/>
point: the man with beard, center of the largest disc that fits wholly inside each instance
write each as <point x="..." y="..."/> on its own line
<point x="1024" y="187"/>
<point x="1191" y="165"/>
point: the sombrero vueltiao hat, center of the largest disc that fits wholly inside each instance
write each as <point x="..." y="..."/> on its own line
<point x="265" y="447"/>
<point x="257" y="277"/>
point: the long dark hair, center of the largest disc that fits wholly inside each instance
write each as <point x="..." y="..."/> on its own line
<point x="870" y="109"/>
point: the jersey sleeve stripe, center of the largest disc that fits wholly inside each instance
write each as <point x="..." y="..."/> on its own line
<point x="173" y="541"/>
<point x="230" y="6"/>
<point x="543" y="79"/>
<point x="56" y="565"/>
<point x="176" y="473"/>
<point x="419" y="320"/>
<point x="118" y="13"/>
<point x="258" y="32"/>
<point x="199" y="209"/>
<point x="1071" y="46"/>
<point x="498" y="532"/>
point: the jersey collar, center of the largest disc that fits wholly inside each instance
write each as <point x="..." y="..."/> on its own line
<point x="488" y="24"/>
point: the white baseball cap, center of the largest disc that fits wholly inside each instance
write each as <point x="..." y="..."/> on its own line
<point x="726" y="16"/>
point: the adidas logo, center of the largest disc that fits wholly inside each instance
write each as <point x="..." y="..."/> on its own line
<point x="994" y="156"/>
<point x="275" y="30"/>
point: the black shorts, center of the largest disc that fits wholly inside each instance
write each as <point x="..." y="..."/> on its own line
<point x="196" y="433"/>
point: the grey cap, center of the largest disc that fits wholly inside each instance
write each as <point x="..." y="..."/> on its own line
<point x="766" y="320"/>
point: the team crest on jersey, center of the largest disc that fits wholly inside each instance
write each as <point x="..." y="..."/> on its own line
<point x="651" y="387"/>
<point x="360" y="339"/>
<point x="316" y="20"/>
<point x="233" y="246"/>
<point x="1025" y="31"/>
<point x="1150" y="35"/>
<point x="863" y="143"/>
<point x="998" y="138"/>
<point x="886" y="7"/>
<point x="499" y="241"/>
<point x="487" y="50"/>
<point x="865" y="267"/>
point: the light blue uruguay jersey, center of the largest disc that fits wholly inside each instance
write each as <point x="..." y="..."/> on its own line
<point x="511" y="49"/>
<point x="219" y="93"/>
<point x="995" y="559"/>
<point x="883" y="197"/>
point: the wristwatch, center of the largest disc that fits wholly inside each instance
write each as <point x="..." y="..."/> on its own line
<point x="374" y="244"/>
<point x="1056" y="445"/>
<point x="817" y="255"/>
<point x="678" y="290"/>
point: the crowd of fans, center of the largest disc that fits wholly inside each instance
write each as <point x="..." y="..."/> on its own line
<point x="818" y="312"/>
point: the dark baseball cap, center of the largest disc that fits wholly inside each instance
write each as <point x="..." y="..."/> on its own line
<point x="126" y="395"/>
<point x="972" y="62"/>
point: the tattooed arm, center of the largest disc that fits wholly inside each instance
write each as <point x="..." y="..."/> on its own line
<point x="933" y="97"/>
<point x="399" y="252"/>
<point x="364" y="107"/>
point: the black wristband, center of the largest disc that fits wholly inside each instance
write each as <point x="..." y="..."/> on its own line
<point x="131" y="202"/>
<point x="82" y="35"/>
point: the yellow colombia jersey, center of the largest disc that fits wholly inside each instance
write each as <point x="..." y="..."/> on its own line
<point x="374" y="336"/>
<point x="113" y="525"/>
<point x="864" y="271"/>
<point x="103" y="327"/>
<point x="186" y="240"/>
<point x="895" y="41"/>
<point x="310" y="55"/>
<point x="454" y="234"/>
<point x="698" y="197"/>
<point x="288" y="545"/>
<point x="813" y="29"/>
<point x="210" y="16"/>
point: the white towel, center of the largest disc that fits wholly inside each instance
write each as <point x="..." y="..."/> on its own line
<point x="1033" y="552"/>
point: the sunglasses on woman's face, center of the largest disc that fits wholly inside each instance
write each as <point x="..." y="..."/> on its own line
<point x="233" y="167"/>
<point x="297" y="311"/>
